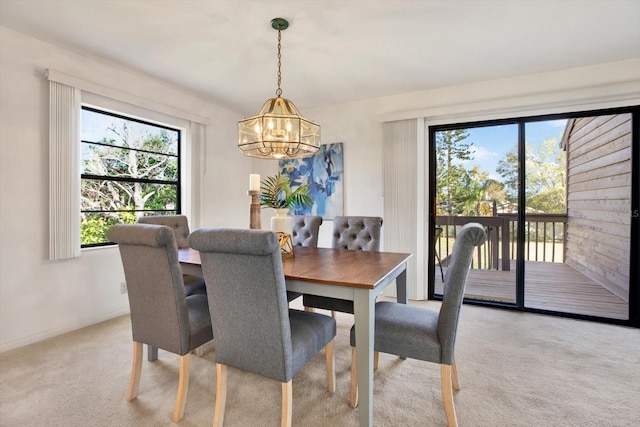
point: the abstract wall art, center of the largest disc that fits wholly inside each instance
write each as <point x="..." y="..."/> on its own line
<point x="324" y="172"/>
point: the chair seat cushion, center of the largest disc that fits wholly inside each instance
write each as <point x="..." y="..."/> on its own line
<point x="328" y="303"/>
<point x="310" y="332"/>
<point x="199" y="319"/>
<point x="406" y="330"/>
<point x="193" y="285"/>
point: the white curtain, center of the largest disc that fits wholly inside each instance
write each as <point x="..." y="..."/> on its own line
<point x="197" y="160"/>
<point x="64" y="171"/>
<point x="401" y="202"/>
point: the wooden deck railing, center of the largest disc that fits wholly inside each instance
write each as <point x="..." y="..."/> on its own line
<point x="545" y="238"/>
<point x="488" y="255"/>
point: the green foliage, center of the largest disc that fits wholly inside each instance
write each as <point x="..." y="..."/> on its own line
<point x="277" y="193"/>
<point x="545" y="178"/>
<point x="462" y="191"/>
<point x="452" y="177"/>
<point x="93" y="228"/>
<point x="508" y="169"/>
<point x="469" y="191"/>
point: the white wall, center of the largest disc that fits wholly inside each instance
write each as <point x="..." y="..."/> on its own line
<point x="358" y="124"/>
<point x="40" y="298"/>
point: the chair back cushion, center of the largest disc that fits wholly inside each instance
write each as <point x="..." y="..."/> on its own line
<point x="306" y="229"/>
<point x="159" y="314"/>
<point x="178" y="223"/>
<point x="357" y="232"/>
<point x="470" y="236"/>
<point x="248" y="301"/>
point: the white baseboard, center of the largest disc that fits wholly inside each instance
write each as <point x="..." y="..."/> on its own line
<point x="20" y="342"/>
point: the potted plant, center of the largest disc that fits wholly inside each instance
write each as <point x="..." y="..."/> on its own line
<point x="277" y="194"/>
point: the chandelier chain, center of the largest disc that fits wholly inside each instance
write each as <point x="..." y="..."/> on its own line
<point x="279" y="91"/>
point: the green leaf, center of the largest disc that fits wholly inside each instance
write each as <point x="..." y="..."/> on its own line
<point x="277" y="193"/>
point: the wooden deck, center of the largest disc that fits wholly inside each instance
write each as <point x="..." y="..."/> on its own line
<point x="548" y="286"/>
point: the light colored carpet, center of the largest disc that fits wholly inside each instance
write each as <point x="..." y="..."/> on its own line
<point x="516" y="369"/>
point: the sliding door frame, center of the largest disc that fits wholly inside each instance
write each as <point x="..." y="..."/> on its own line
<point x="634" y="259"/>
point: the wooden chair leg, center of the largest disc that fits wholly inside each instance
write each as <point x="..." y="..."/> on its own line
<point x="221" y="394"/>
<point x="376" y="360"/>
<point x="447" y="395"/>
<point x="287" y="407"/>
<point x="331" y="372"/>
<point x="353" y="388"/>
<point x="309" y="309"/>
<point x="136" y="369"/>
<point x="199" y="351"/>
<point x="183" y="389"/>
<point x="454" y="376"/>
<point x="333" y="314"/>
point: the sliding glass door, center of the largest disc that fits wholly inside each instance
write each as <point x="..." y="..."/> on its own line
<point x="577" y="222"/>
<point x="476" y="181"/>
<point x="554" y="194"/>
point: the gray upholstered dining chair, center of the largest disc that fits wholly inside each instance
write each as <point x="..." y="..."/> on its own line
<point x="306" y="229"/>
<point x="192" y="284"/>
<point x="162" y="315"/>
<point x="353" y="233"/>
<point x="423" y="334"/>
<point x="180" y="226"/>
<point x="254" y="328"/>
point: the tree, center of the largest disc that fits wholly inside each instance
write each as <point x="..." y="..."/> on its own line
<point x="545" y="179"/>
<point x="470" y="193"/>
<point x="508" y="169"/>
<point x="126" y="151"/>
<point x="452" y="177"/>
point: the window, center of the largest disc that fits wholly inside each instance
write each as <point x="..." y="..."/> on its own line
<point x="129" y="168"/>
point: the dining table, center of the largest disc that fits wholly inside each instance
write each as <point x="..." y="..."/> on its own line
<point x="359" y="276"/>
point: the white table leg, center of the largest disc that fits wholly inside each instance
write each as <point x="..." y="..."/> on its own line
<point x="365" y="325"/>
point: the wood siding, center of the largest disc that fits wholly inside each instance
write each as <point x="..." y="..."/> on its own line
<point x="599" y="199"/>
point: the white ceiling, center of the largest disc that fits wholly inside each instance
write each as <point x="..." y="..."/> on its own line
<point x="334" y="50"/>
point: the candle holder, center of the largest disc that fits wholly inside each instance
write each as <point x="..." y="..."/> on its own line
<point x="254" y="209"/>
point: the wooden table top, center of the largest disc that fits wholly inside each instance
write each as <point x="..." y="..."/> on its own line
<point x="342" y="267"/>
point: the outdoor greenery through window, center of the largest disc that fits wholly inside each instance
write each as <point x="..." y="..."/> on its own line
<point x="130" y="168"/>
<point x="477" y="169"/>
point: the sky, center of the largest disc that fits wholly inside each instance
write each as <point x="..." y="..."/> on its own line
<point x="491" y="143"/>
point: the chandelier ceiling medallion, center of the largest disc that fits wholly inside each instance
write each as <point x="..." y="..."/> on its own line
<point x="278" y="131"/>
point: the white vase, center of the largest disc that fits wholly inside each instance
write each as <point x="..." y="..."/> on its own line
<point x="282" y="222"/>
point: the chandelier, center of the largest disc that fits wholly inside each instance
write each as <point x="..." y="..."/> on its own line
<point x="278" y="131"/>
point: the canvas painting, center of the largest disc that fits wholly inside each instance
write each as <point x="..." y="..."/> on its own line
<point x="324" y="171"/>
